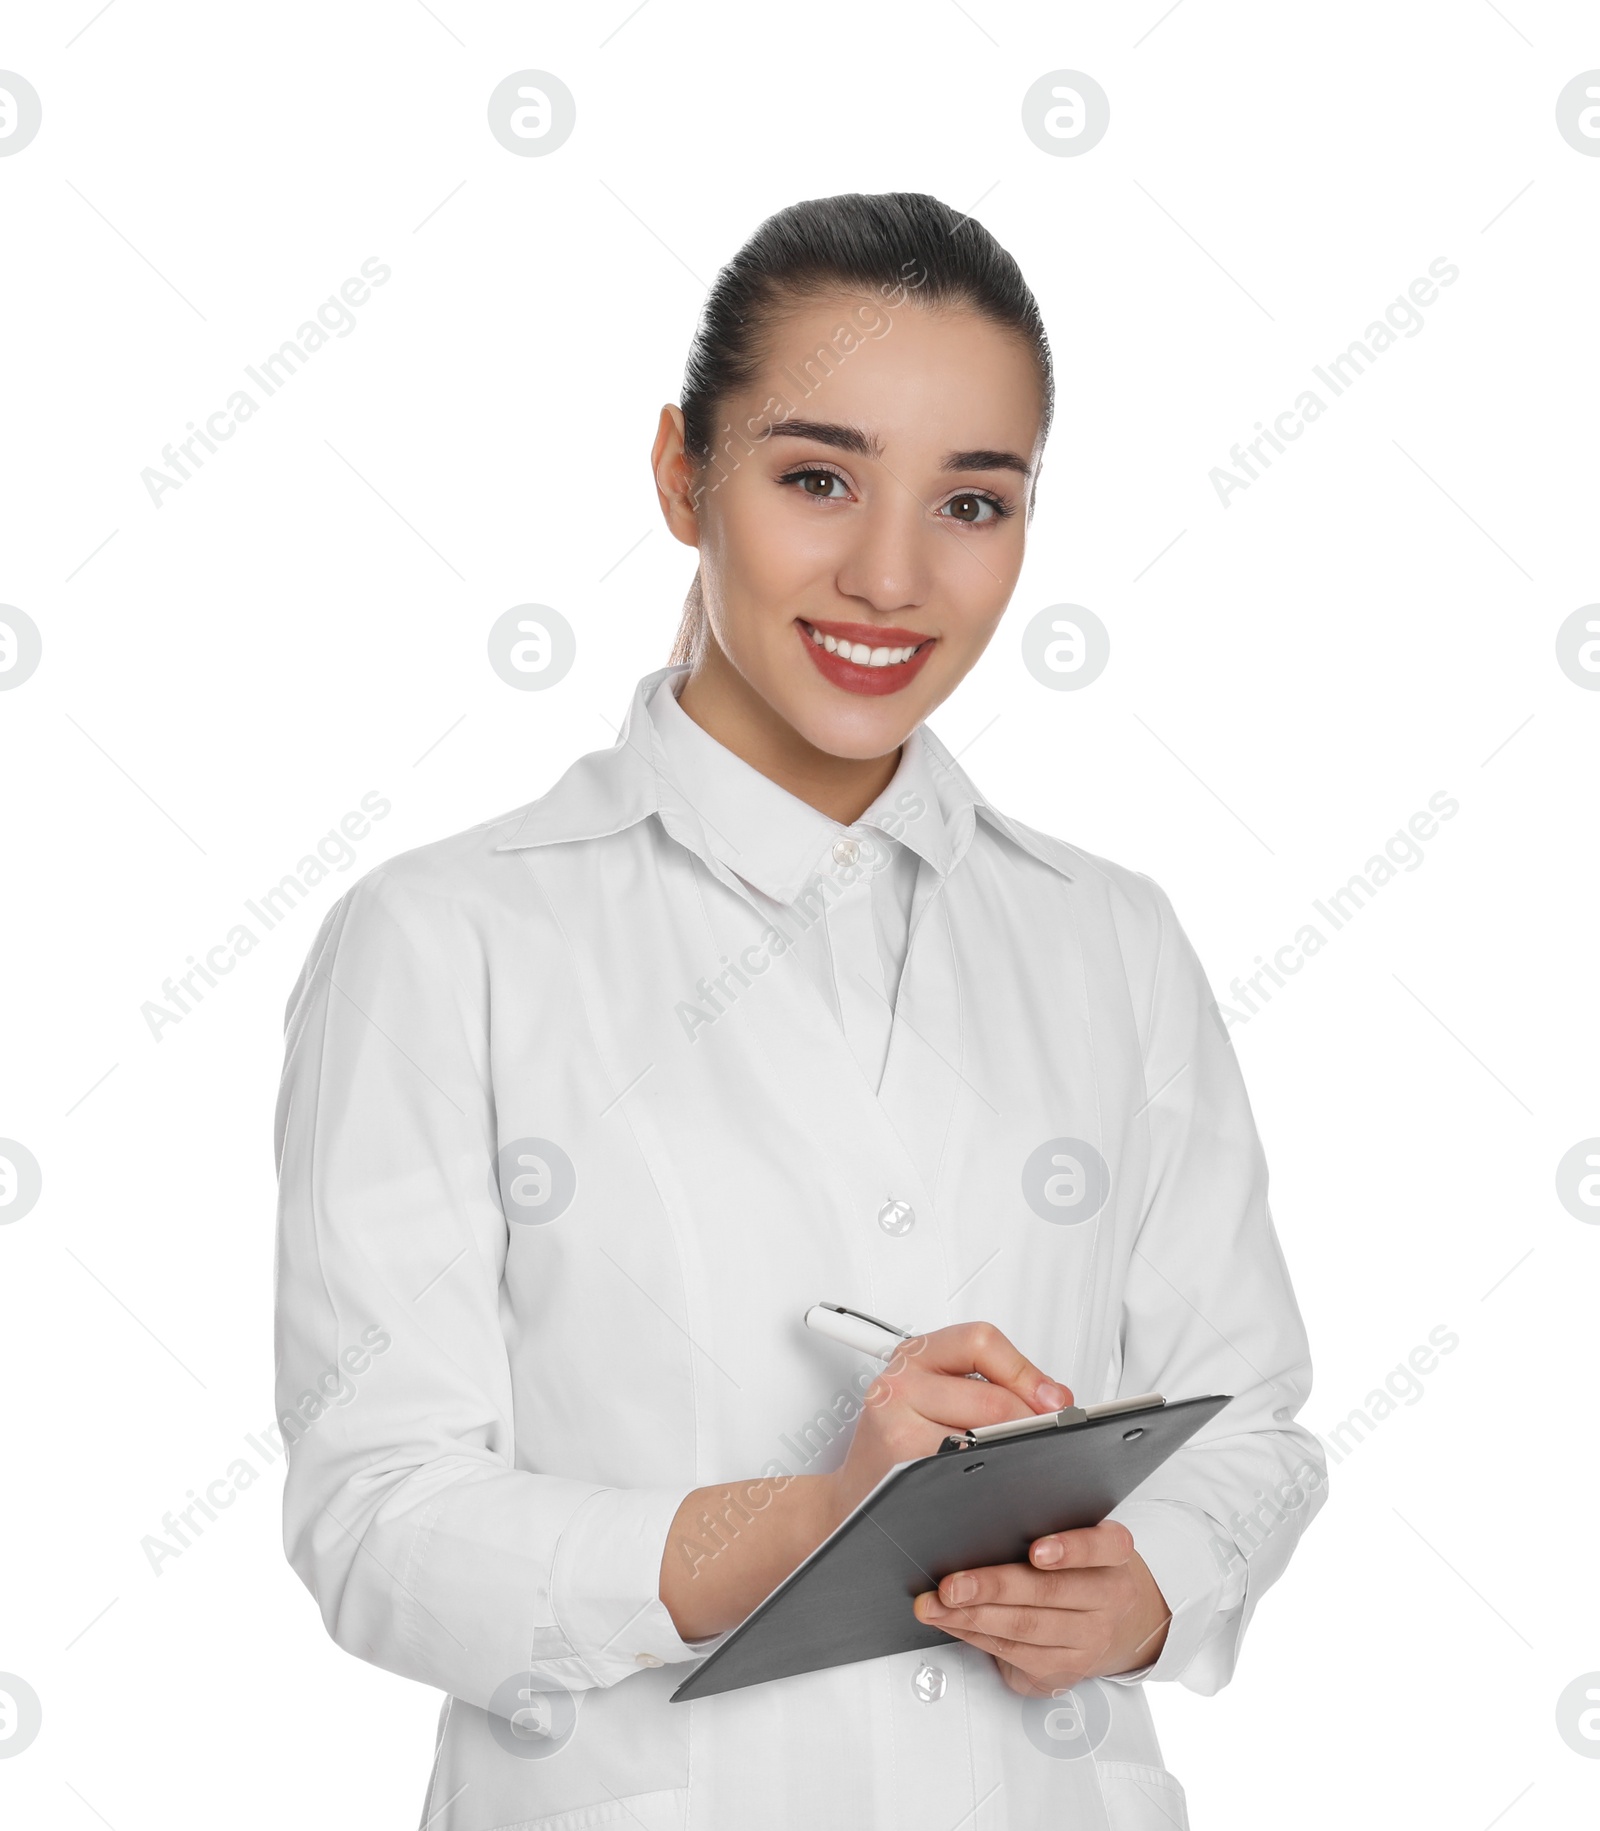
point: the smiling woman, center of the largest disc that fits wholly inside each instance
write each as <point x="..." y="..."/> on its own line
<point x="882" y="525"/>
<point x="935" y="1064"/>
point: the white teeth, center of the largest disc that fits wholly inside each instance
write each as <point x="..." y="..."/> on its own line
<point x="859" y="653"/>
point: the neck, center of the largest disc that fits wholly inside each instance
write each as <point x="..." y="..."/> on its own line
<point x="722" y="702"/>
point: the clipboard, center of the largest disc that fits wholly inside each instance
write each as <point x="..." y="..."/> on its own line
<point x="981" y="1498"/>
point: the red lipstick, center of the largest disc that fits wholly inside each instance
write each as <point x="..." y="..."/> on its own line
<point x="862" y="676"/>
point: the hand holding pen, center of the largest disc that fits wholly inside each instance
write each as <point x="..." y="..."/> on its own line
<point x="927" y="1390"/>
<point x="1091" y="1601"/>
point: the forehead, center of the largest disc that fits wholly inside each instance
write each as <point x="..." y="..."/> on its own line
<point x="943" y="378"/>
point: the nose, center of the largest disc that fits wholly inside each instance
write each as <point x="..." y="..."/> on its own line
<point x="889" y="564"/>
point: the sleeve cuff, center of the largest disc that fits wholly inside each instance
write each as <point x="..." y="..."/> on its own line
<point x="1194" y="1570"/>
<point x="606" y="1585"/>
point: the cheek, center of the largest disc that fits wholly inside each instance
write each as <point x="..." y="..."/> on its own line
<point x="769" y="543"/>
<point x="978" y="568"/>
<point x="974" y="602"/>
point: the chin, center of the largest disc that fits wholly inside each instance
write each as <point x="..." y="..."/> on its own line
<point x="860" y="730"/>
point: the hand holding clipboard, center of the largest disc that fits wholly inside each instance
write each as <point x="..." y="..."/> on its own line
<point x="978" y="1499"/>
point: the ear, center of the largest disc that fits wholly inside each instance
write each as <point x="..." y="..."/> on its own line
<point x="676" y="477"/>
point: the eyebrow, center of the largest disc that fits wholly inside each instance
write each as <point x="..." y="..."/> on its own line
<point x="824" y="432"/>
<point x="864" y="445"/>
<point x="988" y="460"/>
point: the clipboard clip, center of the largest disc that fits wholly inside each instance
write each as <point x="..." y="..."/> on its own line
<point x="1049" y="1420"/>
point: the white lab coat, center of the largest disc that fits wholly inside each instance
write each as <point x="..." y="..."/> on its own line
<point x="543" y="1254"/>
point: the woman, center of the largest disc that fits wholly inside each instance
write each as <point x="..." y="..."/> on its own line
<point x="767" y="1005"/>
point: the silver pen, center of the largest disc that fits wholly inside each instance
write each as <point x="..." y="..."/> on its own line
<point x="856" y="1329"/>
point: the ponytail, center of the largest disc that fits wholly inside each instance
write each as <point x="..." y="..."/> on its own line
<point x="690" y="645"/>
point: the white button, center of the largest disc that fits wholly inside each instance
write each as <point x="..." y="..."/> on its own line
<point x="897" y="1217"/>
<point x="846" y="851"/>
<point x="647" y="1659"/>
<point x="928" y="1683"/>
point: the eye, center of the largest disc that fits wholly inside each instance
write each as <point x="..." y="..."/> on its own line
<point x="975" y="507"/>
<point x="814" y="481"/>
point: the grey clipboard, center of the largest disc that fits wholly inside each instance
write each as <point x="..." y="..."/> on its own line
<point x="967" y="1505"/>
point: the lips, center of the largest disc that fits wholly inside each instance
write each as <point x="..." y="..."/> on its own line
<point x="908" y="648"/>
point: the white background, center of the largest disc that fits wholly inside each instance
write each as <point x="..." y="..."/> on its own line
<point x="1372" y="621"/>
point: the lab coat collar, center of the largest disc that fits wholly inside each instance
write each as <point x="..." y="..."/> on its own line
<point x="772" y="839"/>
<point x="608" y="790"/>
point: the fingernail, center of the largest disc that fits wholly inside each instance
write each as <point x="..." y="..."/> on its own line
<point x="1053" y="1395"/>
<point x="1048" y="1551"/>
<point x="960" y="1589"/>
<point x="929" y="1604"/>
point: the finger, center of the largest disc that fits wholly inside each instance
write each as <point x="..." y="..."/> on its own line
<point x="981" y="1348"/>
<point x="1047" y="1663"/>
<point x="927" y="1369"/>
<point x="1068" y="1630"/>
<point x="944" y="1400"/>
<point x="1094" y="1587"/>
<point x="1108" y="1543"/>
<point x="1052" y="1682"/>
<point x="1033" y="1622"/>
<point x="1017" y="1680"/>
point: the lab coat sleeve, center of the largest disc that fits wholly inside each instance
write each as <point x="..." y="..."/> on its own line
<point x="428" y="1551"/>
<point x="1208" y="1307"/>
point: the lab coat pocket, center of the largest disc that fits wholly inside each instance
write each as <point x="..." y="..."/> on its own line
<point x="1140" y="1797"/>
